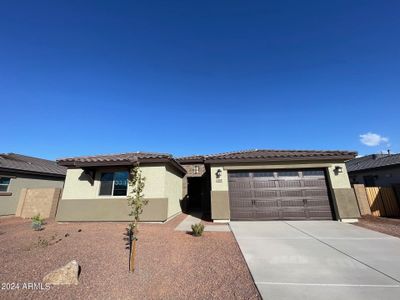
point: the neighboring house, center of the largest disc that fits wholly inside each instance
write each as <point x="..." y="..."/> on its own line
<point x="375" y="170"/>
<point x="96" y="187"/>
<point x="244" y="185"/>
<point x="19" y="171"/>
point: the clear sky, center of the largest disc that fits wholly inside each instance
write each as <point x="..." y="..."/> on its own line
<point x="188" y="77"/>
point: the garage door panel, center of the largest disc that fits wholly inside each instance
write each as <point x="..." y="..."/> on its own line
<point x="264" y="184"/>
<point x="271" y="214"/>
<point x="240" y="185"/>
<point x="320" y="214"/>
<point x="312" y="183"/>
<point x="292" y="203"/>
<point x="242" y="214"/>
<point x="279" y="195"/>
<point x="259" y="204"/>
<point x="266" y="193"/>
<point x="291" y="193"/>
<point x="318" y="203"/>
<point x="315" y="193"/>
<point x="242" y="203"/>
<point x="289" y="183"/>
<point x="237" y="194"/>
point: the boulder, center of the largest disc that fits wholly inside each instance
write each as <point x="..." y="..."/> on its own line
<point x="67" y="274"/>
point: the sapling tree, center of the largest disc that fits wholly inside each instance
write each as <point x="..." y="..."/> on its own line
<point x="136" y="202"/>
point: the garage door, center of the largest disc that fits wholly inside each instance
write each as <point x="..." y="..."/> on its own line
<point x="279" y="195"/>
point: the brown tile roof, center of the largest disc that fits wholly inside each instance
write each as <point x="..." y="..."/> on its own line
<point x="120" y="159"/>
<point x="13" y="162"/>
<point x="269" y="155"/>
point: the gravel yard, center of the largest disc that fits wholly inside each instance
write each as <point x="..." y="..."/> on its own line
<point x="384" y="225"/>
<point x="170" y="264"/>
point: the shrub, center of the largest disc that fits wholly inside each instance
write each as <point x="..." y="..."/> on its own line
<point x="42" y="242"/>
<point x="197" y="229"/>
<point x="37" y="222"/>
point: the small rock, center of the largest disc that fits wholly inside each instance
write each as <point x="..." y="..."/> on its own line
<point x="66" y="235"/>
<point x="79" y="230"/>
<point x="64" y="275"/>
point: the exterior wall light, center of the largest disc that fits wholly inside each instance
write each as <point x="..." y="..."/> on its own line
<point x="218" y="173"/>
<point x="338" y="169"/>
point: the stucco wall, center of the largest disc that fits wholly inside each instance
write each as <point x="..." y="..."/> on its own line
<point x="339" y="180"/>
<point x="81" y="200"/>
<point x="344" y="199"/>
<point x="109" y="209"/>
<point x="220" y="209"/>
<point x="78" y="186"/>
<point x="8" y="204"/>
<point x="220" y="202"/>
<point x="173" y="191"/>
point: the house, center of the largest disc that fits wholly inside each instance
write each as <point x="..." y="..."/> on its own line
<point x="243" y="185"/>
<point x="96" y="187"/>
<point x="19" y="171"/>
<point x="376" y="170"/>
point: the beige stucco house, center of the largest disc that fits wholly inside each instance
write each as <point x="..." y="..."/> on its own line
<point x="96" y="187"/>
<point x="275" y="185"/>
<point x="20" y="172"/>
<point x="243" y="185"/>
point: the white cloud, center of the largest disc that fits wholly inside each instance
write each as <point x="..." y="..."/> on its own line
<point x="373" y="139"/>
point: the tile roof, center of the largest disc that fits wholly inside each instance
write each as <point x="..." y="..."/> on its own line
<point x="119" y="159"/>
<point x="28" y="164"/>
<point x="270" y="155"/>
<point x="373" y="161"/>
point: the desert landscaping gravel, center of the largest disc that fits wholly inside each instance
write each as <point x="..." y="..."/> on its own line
<point x="170" y="264"/>
<point x="384" y="225"/>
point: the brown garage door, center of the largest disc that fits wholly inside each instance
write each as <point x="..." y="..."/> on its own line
<point x="279" y="195"/>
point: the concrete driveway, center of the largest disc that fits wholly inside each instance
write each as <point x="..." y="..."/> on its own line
<point x="320" y="260"/>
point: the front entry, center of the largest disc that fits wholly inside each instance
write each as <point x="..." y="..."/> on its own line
<point x="279" y="195"/>
<point x="195" y="193"/>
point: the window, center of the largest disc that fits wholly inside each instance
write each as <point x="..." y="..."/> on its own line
<point x="239" y="174"/>
<point x="313" y="173"/>
<point x="115" y="184"/>
<point x="288" y="174"/>
<point x="4" y="183"/>
<point x="263" y="174"/>
<point x="196" y="170"/>
<point x="120" y="183"/>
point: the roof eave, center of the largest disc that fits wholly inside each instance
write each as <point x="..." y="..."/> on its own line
<point x="190" y="161"/>
<point x="79" y="164"/>
<point x="47" y="174"/>
<point x="276" y="159"/>
<point x="169" y="160"/>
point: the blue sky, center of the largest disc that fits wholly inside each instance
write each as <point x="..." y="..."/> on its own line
<point x="188" y="77"/>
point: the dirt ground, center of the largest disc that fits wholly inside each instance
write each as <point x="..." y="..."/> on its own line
<point x="384" y="225"/>
<point x="170" y="264"/>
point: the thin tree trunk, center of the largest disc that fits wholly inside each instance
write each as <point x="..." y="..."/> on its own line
<point x="133" y="254"/>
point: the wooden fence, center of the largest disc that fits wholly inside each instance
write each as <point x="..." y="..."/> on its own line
<point x="382" y="201"/>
